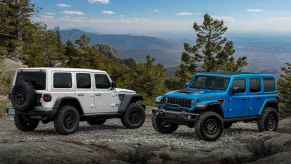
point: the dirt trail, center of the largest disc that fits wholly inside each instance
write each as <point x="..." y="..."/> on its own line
<point x="111" y="143"/>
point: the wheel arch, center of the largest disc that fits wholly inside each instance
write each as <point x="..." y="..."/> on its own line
<point x="69" y="101"/>
<point x="213" y="107"/>
<point x="126" y="100"/>
<point x="273" y="103"/>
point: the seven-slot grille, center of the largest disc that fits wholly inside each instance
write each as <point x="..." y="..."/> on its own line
<point x="177" y="101"/>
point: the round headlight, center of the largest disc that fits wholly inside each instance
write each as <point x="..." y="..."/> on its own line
<point x="158" y="99"/>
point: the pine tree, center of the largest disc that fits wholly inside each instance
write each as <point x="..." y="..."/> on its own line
<point x="285" y="88"/>
<point x="15" y="15"/>
<point x="148" y="79"/>
<point x="212" y="51"/>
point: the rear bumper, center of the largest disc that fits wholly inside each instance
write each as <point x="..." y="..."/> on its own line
<point x="176" y="116"/>
<point x="44" y="115"/>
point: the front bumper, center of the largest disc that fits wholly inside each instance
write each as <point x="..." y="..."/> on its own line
<point x="176" y="116"/>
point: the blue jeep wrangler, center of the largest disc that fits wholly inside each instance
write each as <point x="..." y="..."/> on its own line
<point x="211" y="102"/>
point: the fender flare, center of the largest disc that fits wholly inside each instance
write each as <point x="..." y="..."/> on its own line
<point x="60" y="100"/>
<point x="127" y="99"/>
<point x="203" y="106"/>
<point x="272" y="100"/>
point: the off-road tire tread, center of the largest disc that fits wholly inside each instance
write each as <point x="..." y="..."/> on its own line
<point x="21" y="126"/>
<point x="58" y="122"/>
<point x="133" y="106"/>
<point x="198" y="126"/>
<point x="157" y="127"/>
<point x="261" y="121"/>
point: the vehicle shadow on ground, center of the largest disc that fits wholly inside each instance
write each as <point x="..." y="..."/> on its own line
<point x="82" y="128"/>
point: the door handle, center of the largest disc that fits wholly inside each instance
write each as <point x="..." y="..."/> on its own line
<point x="80" y="94"/>
<point x="244" y="98"/>
<point x="98" y="94"/>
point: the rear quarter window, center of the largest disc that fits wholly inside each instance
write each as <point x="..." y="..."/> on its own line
<point x="36" y="79"/>
<point x="269" y="84"/>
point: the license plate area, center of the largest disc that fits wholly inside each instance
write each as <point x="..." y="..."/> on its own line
<point x="10" y="111"/>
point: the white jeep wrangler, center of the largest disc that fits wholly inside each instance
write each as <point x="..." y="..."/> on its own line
<point x="67" y="96"/>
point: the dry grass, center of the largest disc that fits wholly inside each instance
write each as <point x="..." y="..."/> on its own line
<point x="3" y="105"/>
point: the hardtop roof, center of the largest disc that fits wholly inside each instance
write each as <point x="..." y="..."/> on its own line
<point x="236" y="74"/>
<point x="63" y="69"/>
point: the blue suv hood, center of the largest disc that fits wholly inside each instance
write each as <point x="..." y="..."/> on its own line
<point x="195" y="94"/>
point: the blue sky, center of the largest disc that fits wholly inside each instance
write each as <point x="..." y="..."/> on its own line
<point x="152" y="17"/>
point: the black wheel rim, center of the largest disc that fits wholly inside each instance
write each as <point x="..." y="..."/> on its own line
<point x="70" y="120"/>
<point x="135" y="117"/>
<point x="211" y="126"/>
<point x="271" y="121"/>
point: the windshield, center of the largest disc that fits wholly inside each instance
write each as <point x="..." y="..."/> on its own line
<point x="36" y="79"/>
<point x="209" y="82"/>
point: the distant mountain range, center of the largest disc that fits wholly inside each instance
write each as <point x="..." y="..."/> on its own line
<point x="130" y="46"/>
<point x="265" y="53"/>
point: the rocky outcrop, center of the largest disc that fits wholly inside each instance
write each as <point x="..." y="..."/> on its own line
<point x="112" y="144"/>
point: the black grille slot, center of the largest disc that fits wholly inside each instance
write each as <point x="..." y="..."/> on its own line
<point x="177" y="101"/>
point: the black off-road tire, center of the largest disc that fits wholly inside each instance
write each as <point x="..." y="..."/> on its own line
<point x="210" y="126"/>
<point x="24" y="123"/>
<point x="23" y="96"/>
<point x="96" y="121"/>
<point x="67" y="120"/>
<point x="269" y="120"/>
<point x="227" y="125"/>
<point x="134" y="117"/>
<point x="162" y="125"/>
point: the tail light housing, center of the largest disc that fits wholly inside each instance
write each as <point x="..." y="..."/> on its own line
<point x="47" y="98"/>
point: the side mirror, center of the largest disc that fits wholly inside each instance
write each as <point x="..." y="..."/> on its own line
<point x="187" y="85"/>
<point x="113" y="84"/>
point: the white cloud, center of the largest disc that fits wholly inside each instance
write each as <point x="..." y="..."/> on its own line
<point x="226" y="19"/>
<point x="184" y="13"/>
<point x="73" y="12"/>
<point x="254" y="10"/>
<point x="133" y="25"/>
<point x="50" y="13"/>
<point x="103" y="2"/>
<point x="108" y="12"/>
<point x="268" y="24"/>
<point x="63" y="5"/>
<point x="156" y="11"/>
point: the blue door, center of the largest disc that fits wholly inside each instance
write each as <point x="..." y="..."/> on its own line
<point x="256" y="96"/>
<point x="238" y="99"/>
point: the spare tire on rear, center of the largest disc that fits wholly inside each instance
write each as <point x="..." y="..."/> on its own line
<point x="23" y="96"/>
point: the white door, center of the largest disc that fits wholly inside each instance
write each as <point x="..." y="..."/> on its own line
<point x="106" y="98"/>
<point x="85" y="92"/>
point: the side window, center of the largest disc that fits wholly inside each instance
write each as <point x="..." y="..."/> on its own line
<point x="269" y="84"/>
<point x="255" y="85"/>
<point x="102" y="81"/>
<point x="83" y="80"/>
<point x="239" y="86"/>
<point x="62" y="80"/>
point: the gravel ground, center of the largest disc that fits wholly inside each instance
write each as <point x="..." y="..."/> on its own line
<point x="113" y="132"/>
<point x="242" y="143"/>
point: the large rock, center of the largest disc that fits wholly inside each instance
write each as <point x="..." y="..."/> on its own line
<point x="7" y="71"/>
<point x="96" y="146"/>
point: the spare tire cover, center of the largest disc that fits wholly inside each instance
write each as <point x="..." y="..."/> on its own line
<point x="23" y="96"/>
